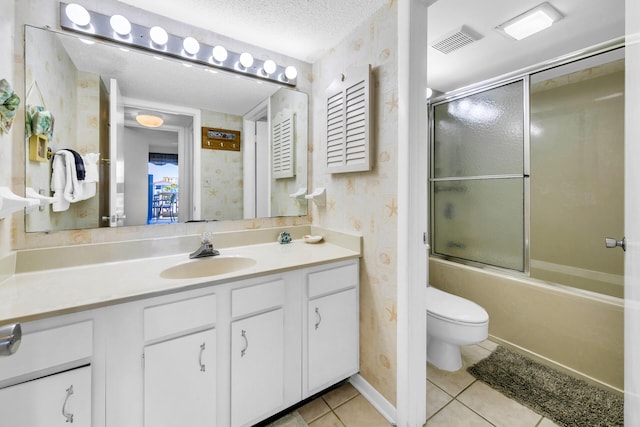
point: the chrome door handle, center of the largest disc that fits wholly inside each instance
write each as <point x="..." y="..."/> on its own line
<point x="67" y="415"/>
<point x="318" y="317"/>
<point x="610" y="242"/>
<point x="246" y="343"/>
<point x="202" y="365"/>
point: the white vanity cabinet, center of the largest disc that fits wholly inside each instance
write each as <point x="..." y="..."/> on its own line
<point x="257" y="351"/>
<point x="332" y="325"/>
<point x="180" y="372"/>
<point x="51" y="401"/>
<point x="48" y="381"/>
<point x="226" y="354"/>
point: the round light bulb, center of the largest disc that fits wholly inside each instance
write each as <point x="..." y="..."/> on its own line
<point x="120" y="25"/>
<point x="191" y="45"/>
<point x="290" y="72"/>
<point x="269" y="66"/>
<point x="220" y="53"/>
<point x="246" y="59"/>
<point x="159" y="35"/>
<point x="77" y="14"/>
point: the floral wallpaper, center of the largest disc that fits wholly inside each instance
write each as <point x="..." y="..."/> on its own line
<point x="76" y="123"/>
<point x="365" y="203"/>
<point x="222" y="176"/>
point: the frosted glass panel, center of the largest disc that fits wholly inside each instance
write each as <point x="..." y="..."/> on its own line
<point x="577" y="178"/>
<point x="481" y="220"/>
<point x="481" y="134"/>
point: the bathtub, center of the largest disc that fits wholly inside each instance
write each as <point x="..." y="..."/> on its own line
<point x="578" y="332"/>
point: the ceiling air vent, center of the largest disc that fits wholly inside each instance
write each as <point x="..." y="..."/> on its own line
<point x="456" y="39"/>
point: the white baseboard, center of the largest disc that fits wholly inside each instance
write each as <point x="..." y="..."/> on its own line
<point x="382" y="405"/>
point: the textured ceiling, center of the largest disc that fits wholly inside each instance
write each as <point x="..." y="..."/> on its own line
<point x="302" y="29"/>
<point x="585" y="23"/>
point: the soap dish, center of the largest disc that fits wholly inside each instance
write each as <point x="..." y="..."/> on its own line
<point x="311" y="239"/>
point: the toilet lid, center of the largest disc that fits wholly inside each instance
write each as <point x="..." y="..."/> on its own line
<point x="454" y="308"/>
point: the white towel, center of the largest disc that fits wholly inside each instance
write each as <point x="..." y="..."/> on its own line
<point x="64" y="180"/>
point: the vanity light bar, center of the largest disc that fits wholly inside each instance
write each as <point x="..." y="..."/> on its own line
<point x="99" y="25"/>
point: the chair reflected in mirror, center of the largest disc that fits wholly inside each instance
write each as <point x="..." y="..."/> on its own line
<point x="165" y="207"/>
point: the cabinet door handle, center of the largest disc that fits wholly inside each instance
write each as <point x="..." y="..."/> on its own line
<point x="68" y="416"/>
<point x="202" y="365"/>
<point x="318" y="317"/>
<point x="246" y="343"/>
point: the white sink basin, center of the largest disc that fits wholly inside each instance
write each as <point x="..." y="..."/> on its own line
<point x="210" y="266"/>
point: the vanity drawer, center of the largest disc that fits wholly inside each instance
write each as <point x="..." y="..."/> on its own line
<point x="179" y="316"/>
<point x="43" y="350"/>
<point x="332" y="280"/>
<point x="256" y="298"/>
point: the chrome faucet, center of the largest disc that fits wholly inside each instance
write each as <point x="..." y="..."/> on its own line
<point x="206" y="248"/>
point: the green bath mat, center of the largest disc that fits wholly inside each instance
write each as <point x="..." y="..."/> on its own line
<point x="567" y="401"/>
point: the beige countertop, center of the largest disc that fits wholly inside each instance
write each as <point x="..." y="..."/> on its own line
<point x="44" y="293"/>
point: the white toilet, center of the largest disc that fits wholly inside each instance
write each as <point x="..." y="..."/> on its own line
<point x="452" y="321"/>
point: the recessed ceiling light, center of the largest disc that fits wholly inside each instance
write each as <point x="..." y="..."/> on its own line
<point x="530" y="22"/>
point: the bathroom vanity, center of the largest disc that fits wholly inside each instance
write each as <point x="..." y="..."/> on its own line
<point x="118" y="344"/>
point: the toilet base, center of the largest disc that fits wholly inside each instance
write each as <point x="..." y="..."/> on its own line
<point x="444" y="355"/>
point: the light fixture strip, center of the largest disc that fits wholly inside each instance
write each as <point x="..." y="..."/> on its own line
<point x="100" y="27"/>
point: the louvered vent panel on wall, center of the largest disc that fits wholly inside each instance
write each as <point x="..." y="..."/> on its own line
<point x="282" y="151"/>
<point x="349" y="124"/>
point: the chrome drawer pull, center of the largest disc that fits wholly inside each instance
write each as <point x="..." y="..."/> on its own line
<point x="202" y="365"/>
<point x="246" y="343"/>
<point x="67" y="415"/>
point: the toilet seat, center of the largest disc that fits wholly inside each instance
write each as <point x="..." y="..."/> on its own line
<point x="452" y="308"/>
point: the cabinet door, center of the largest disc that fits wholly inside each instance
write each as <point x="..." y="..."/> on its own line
<point x="56" y="400"/>
<point x="332" y="334"/>
<point x="257" y="367"/>
<point x="180" y="381"/>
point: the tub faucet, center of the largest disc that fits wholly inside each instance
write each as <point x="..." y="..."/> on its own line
<point x="206" y="248"/>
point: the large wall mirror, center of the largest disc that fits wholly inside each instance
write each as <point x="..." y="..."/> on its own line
<point x="211" y="159"/>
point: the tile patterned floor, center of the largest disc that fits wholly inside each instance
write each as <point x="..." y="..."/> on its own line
<point x="454" y="399"/>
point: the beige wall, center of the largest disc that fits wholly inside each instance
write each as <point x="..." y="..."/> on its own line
<point x="366" y="202"/>
<point x="571" y="331"/>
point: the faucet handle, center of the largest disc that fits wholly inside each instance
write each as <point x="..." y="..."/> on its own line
<point x="207" y="237"/>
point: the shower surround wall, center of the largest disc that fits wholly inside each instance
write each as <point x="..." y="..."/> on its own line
<point x="366" y="202"/>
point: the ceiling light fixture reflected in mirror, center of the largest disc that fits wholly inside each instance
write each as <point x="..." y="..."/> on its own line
<point x="149" y="120"/>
